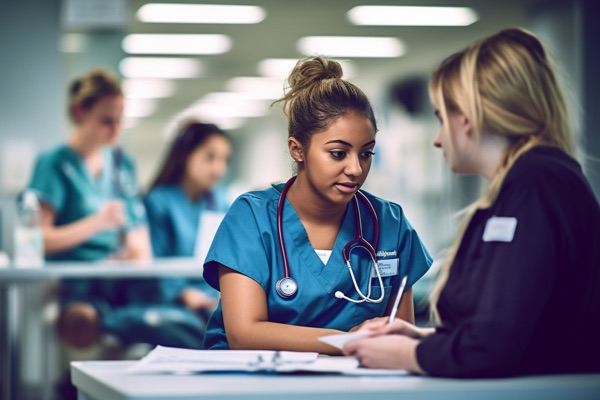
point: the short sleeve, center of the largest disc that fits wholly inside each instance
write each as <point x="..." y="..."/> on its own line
<point x="238" y="243"/>
<point x="160" y="232"/>
<point x="48" y="182"/>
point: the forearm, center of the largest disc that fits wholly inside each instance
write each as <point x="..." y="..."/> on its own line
<point x="57" y="239"/>
<point x="266" y="335"/>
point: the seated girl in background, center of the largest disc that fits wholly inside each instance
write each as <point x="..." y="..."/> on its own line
<point x="300" y="230"/>
<point x="184" y="192"/>
<point x="519" y="292"/>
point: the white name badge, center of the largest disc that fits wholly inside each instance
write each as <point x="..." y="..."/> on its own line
<point x="386" y="268"/>
<point x="500" y="229"/>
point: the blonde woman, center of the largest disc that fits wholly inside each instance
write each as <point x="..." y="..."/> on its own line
<point x="519" y="292"/>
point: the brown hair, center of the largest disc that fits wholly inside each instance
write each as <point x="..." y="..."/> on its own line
<point x="318" y="96"/>
<point x="192" y="136"/>
<point x="506" y="86"/>
<point x="86" y="91"/>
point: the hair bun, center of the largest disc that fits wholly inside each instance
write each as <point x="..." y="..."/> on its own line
<point x="310" y="71"/>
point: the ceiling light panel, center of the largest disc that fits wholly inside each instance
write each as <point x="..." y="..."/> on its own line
<point x="412" y="16"/>
<point x="351" y="46"/>
<point x="160" y="67"/>
<point x="201" y="13"/>
<point x="176" y="44"/>
<point x="258" y="87"/>
<point x="148" y="88"/>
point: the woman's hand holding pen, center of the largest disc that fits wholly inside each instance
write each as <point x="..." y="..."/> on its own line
<point x="385" y="352"/>
<point x="390" y="345"/>
<point x="379" y="326"/>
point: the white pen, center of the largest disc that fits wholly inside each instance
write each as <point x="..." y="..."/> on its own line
<point x="397" y="301"/>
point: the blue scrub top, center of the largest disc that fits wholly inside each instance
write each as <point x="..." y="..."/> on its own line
<point x="174" y="219"/>
<point x="64" y="183"/>
<point x="174" y="224"/>
<point x="247" y="242"/>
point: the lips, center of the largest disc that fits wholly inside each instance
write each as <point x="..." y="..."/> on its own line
<point x="347" y="187"/>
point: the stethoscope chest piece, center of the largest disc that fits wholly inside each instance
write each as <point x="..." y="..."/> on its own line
<point x="286" y="287"/>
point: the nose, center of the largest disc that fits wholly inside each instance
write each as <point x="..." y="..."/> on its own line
<point x="353" y="167"/>
<point x="437" y="142"/>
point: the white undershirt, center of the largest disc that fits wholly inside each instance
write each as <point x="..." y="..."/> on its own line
<point x="323" y="255"/>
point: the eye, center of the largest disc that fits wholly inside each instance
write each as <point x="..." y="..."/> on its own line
<point x="338" y="154"/>
<point x="367" y="154"/>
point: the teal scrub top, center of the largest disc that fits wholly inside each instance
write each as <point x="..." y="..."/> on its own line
<point x="247" y="242"/>
<point x="174" y="222"/>
<point x="174" y="219"/>
<point x="63" y="182"/>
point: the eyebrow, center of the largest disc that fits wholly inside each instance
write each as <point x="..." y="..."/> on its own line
<point x="343" y="142"/>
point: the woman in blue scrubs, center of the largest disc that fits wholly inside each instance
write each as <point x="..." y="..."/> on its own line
<point x="184" y="192"/>
<point x="519" y="293"/>
<point x="332" y="132"/>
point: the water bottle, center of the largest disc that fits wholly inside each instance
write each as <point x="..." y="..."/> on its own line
<point x="29" y="242"/>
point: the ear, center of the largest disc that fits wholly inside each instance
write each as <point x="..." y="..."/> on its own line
<point x="296" y="150"/>
<point x="466" y="125"/>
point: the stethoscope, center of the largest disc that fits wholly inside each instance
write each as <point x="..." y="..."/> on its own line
<point x="287" y="286"/>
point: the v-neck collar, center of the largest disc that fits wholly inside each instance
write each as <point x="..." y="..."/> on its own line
<point x="328" y="275"/>
<point x="103" y="181"/>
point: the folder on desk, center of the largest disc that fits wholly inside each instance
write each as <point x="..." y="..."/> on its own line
<point x="172" y="360"/>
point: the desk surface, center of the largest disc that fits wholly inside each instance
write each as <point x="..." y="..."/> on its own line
<point x="107" y="380"/>
<point x="188" y="267"/>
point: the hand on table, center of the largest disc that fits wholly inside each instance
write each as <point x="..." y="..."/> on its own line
<point x="385" y="352"/>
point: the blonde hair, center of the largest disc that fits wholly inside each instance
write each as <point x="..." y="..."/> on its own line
<point x="318" y="96"/>
<point x="86" y="91"/>
<point x="505" y="85"/>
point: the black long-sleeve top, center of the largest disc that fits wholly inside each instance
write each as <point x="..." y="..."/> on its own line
<point x="529" y="305"/>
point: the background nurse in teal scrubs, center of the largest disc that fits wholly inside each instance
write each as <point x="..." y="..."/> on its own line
<point x="332" y="132"/>
<point x="184" y="193"/>
<point x="91" y="211"/>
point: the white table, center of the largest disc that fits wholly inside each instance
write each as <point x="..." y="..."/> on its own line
<point x="12" y="278"/>
<point x="106" y="380"/>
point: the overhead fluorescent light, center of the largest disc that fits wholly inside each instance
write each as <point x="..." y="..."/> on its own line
<point x="139" y="108"/>
<point x="160" y="67"/>
<point x="148" y="88"/>
<point x="281" y="67"/>
<point x="412" y="16"/>
<point x="200" y="13"/>
<point x="257" y="87"/>
<point x="351" y="46"/>
<point x="220" y="105"/>
<point x="142" y="43"/>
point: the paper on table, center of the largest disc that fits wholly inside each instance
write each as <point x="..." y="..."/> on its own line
<point x="340" y="340"/>
<point x="174" y="360"/>
<point x="208" y="225"/>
